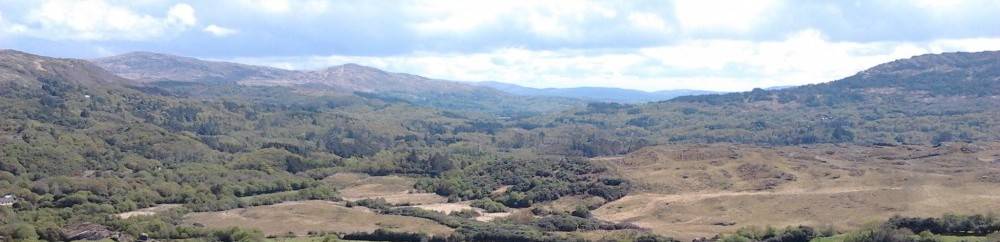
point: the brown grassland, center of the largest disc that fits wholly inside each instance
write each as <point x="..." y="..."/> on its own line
<point x="394" y="189"/>
<point x="690" y="191"/>
<point x="319" y="216"/>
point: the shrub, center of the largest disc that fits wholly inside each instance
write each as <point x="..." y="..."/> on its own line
<point x="465" y="213"/>
<point x="489" y="205"/>
<point x="377" y="203"/>
<point x="581" y="211"/>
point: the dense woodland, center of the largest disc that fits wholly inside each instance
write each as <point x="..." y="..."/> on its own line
<point x="78" y="144"/>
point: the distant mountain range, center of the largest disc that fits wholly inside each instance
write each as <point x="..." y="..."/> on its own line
<point x="155" y="67"/>
<point x="152" y="67"/>
<point x="147" y="67"/>
<point x="599" y="94"/>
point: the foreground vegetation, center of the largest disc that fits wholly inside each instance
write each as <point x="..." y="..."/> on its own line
<point x="972" y="228"/>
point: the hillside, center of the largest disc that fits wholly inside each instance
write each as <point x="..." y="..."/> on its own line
<point x="92" y="145"/>
<point x="964" y="75"/>
<point x="953" y="99"/>
<point x="595" y="94"/>
<point x="152" y="67"/>
<point x="342" y="79"/>
<point x="691" y="191"/>
<point x="27" y="69"/>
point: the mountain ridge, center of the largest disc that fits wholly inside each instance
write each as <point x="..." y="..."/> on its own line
<point x="151" y="68"/>
<point x="29" y="69"/>
<point x="927" y="75"/>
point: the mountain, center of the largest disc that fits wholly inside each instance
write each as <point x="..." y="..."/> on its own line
<point x="927" y="99"/>
<point x="27" y="69"/>
<point x="952" y="74"/>
<point x="360" y="78"/>
<point x="920" y="78"/>
<point x="163" y="69"/>
<point x="598" y="94"/>
<point x="152" y="67"/>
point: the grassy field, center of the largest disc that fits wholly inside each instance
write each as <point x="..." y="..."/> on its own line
<point x="319" y="216"/>
<point x="394" y="189"/>
<point x="690" y="191"/>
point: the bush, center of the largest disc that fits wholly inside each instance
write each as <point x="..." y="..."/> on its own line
<point x="581" y="211"/>
<point x="769" y="234"/>
<point x="950" y="224"/>
<point x="884" y="233"/>
<point x="570" y="223"/>
<point x="238" y="235"/>
<point x="387" y="235"/>
<point x="377" y="203"/>
<point x="465" y="213"/>
<point x="489" y="205"/>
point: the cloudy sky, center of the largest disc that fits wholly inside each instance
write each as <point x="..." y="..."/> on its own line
<point x="648" y="45"/>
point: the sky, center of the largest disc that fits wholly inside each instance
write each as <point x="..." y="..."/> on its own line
<point x="715" y="45"/>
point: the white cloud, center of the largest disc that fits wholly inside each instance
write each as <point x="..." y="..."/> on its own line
<point x="182" y="13"/>
<point x="287" y="6"/>
<point x="278" y="6"/>
<point x="648" y="21"/>
<point x="556" y="19"/>
<point x="219" y="31"/>
<point x="721" y="15"/>
<point x="99" y="20"/>
<point x="938" y="5"/>
<point x="965" y="44"/>
<point x="801" y="58"/>
<point x="459" y="16"/>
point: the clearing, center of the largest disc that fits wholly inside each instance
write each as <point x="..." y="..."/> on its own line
<point x="319" y="216"/>
<point x="394" y="189"/>
<point x="150" y="211"/>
